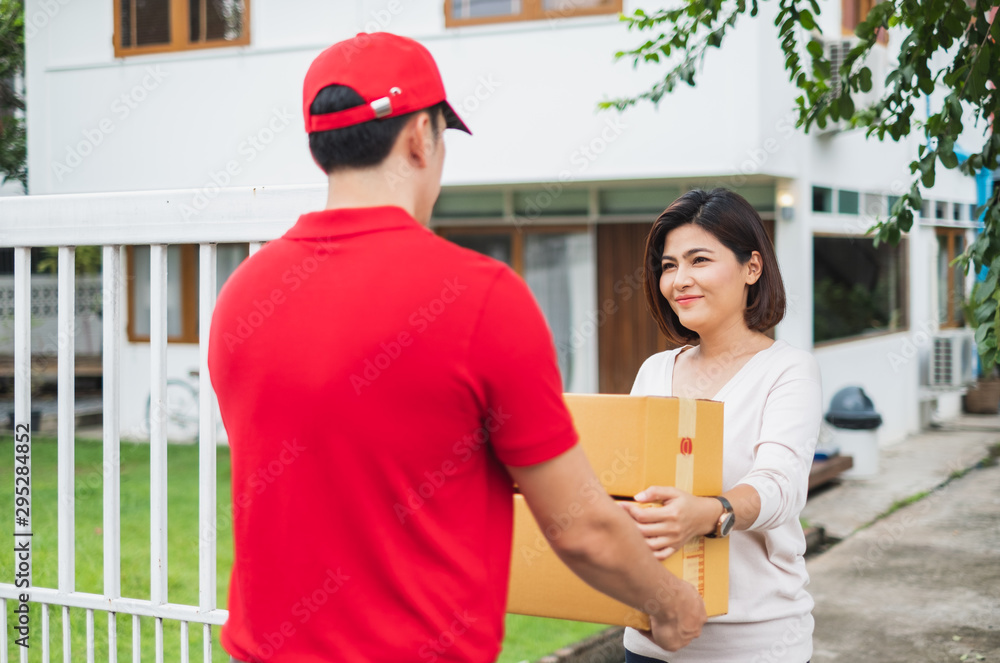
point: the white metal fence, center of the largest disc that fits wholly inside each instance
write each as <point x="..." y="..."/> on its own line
<point x="154" y="219"/>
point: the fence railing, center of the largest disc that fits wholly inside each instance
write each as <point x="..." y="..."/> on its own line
<point x="112" y="221"/>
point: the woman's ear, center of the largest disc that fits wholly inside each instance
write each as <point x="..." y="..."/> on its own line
<point x="755" y="267"/>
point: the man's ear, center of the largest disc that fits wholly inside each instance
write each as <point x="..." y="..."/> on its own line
<point x="419" y="139"/>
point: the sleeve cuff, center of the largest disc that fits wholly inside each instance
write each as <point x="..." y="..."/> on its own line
<point x="768" y="506"/>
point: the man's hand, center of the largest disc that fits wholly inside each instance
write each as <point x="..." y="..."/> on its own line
<point x="680" y="621"/>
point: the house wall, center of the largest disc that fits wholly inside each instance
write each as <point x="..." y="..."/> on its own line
<point x="528" y="90"/>
<point x="892" y="387"/>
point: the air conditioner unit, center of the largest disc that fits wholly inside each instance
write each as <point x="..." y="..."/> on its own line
<point x="836" y="51"/>
<point x="951" y="361"/>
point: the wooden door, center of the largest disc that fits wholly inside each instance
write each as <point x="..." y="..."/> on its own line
<point x="627" y="333"/>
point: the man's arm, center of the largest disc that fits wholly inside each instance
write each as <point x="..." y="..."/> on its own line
<point x="604" y="547"/>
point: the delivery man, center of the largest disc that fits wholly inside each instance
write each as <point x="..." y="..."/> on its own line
<point x="383" y="390"/>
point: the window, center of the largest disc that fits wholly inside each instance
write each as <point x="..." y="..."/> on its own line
<point x="941" y="210"/>
<point x="473" y="12"/>
<point x="858" y="289"/>
<point x="558" y="264"/>
<point x="647" y="202"/>
<point x="950" y="280"/>
<point x="822" y="199"/>
<point x="873" y="205"/>
<point x="847" y="202"/>
<point x="156" y="26"/>
<point x="182" y="288"/>
<point x="468" y="205"/>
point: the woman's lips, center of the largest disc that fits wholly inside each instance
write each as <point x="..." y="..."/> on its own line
<point x="686" y="300"/>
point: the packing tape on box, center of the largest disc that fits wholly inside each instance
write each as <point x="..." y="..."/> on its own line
<point x="694" y="550"/>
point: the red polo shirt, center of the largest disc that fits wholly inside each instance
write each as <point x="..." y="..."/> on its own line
<point x="374" y="379"/>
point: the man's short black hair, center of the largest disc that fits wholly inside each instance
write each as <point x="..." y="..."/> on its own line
<point x="361" y="145"/>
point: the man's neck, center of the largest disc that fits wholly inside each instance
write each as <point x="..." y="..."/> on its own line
<point x="371" y="187"/>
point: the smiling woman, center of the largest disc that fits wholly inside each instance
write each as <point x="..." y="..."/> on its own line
<point x="713" y="284"/>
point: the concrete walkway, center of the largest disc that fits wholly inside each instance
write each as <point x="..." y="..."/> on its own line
<point x="912" y="466"/>
<point x="922" y="584"/>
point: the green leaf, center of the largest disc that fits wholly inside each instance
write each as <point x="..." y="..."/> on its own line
<point x="981" y="330"/>
<point x="894" y="235"/>
<point x="865" y="79"/>
<point x="928" y="178"/>
<point x="949" y="159"/>
<point x="985" y="311"/>
<point x="846" y="105"/>
<point x="905" y="220"/>
<point x="806" y="20"/>
<point x="815" y="49"/>
<point x="989" y="284"/>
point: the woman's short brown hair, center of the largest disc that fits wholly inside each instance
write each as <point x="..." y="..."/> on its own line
<point x="734" y="222"/>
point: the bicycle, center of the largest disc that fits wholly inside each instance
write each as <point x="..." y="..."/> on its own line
<point x="181" y="410"/>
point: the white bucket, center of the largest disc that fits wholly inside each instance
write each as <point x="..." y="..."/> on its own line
<point x="862" y="446"/>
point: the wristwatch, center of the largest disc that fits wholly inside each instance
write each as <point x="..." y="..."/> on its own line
<point x="726" y="520"/>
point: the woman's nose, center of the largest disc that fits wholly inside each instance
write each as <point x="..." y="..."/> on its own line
<point x="682" y="277"/>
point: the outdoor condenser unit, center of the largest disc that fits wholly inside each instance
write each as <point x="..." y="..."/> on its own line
<point x="951" y="361"/>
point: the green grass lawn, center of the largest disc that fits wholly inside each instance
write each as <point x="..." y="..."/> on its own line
<point x="528" y="638"/>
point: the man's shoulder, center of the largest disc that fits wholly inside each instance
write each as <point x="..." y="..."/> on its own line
<point x="481" y="270"/>
<point x="465" y="255"/>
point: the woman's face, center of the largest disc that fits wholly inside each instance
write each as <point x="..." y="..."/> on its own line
<point x="702" y="280"/>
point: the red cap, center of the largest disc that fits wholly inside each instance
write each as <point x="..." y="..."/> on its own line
<point x="395" y="75"/>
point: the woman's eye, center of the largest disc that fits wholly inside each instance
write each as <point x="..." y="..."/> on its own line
<point x="668" y="265"/>
<point x="695" y="261"/>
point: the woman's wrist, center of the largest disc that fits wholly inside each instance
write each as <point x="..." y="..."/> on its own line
<point x="712" y="511"/>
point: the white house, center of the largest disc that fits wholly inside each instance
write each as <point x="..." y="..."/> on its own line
<point x="149" y="95"/>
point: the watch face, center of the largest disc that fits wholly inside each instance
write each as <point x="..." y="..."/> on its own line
<point x="727" y="525"/>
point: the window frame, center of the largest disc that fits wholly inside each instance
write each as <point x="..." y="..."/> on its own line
<point x="179" y="15"/>
<point x="951" y="234"/>
<point x="189" y="296"/>
<point x="531" y="10"/>
<point x="904" y="270"/>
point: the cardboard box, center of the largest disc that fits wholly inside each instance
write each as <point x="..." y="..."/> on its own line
<point x="541" y="585"/>
<point x="632" y="442"/>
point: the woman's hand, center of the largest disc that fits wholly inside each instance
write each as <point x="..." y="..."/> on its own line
<point x="681" y="517"/>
